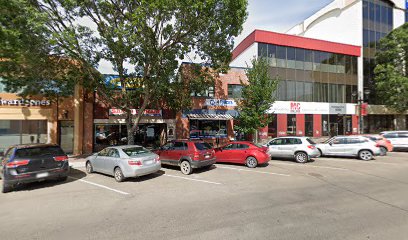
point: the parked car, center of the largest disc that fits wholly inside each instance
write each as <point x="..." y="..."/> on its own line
<point x="123" y="162"/>
<point x="385" y="144"/>
<point x="399" y="139"/>
<point x="187" y="154"/>
<point x="302" y="149"/>
<point x="350" y="146"/>
<point x="241" y="152"/>
<point x="31" y="163"/>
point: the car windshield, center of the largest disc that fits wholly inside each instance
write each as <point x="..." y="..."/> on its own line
<point x="39" y="151"/>
<point x="329" y="140"/>
<point x="202" y="146"/>
<point x="135" y="151"/>
<point x="310" y="141"/>
<point x="258" y="145"/>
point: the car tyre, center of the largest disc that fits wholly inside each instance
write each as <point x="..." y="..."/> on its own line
<point x="251" y="162"/>
<point x="186" y="168"/>
<point x="365" y="155"/>
<point x="6" y="188"/>
<point x="301" y="157"/>
<point x="320" y="153"/>
<point x="118" y="174"/>
<point x="89" y="168"/>
<point x="383" y="150"/>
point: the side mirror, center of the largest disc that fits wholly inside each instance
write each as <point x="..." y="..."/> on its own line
<point x="330" y="143"/>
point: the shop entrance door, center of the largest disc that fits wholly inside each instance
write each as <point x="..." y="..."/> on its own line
<point x="334" y="129"/>
<point x="67" y="136"/>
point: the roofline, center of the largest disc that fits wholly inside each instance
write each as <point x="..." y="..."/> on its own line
<point x="262" y="36"/>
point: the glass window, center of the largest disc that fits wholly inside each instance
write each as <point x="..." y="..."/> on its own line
<point x="208" y="128"/>
<point x="308" y="60"/>
<point x="291" y="124"/>
<point x="134" y="151"/>
<point x="281" y="56"/>
<point x="272" y="54"/>
<point x="300" y="91"/>
<point x="242" y="146"/>
<point x="206" y="93"/>
<point x="282" y="90"/>
<point x="113" y="153"/>
<point x="22" y="131"/>
<point x="262" y="50"/>
<point x="38" y="151"/>
<point x="316" y="92"/>
<point x="180" y="146"/>
<point x="309" y="125"/>
<point x="202" y="146"/>
<point x="291" y="57"/>
<point x="235" y="90"/>
<point x="273" y="127"/>
<point x="308" y="93"/>
<point x="168" y="146"/>
<point x="300" y="58"/>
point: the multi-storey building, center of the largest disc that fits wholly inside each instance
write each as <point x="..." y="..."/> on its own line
<point x="362" y="23"/>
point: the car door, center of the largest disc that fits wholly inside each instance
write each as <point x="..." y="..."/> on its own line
<point x="164" y="153"/>
<point x="224" y="154"/>
<point x="179" y="149"/>
<point x="403" y="138"/>
<point x="97" y="162"/>
<point x="336" y="147"/>
<point x="110" y="161"/>
<point x="273" y="147"/>
<point x="289" y="147"/>
<point x="240" y="154"/>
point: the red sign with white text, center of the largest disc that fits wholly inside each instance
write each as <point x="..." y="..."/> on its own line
<point x="147" y="112"/>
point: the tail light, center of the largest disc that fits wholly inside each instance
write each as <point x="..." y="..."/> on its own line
<point x="311" y="147"/>
<point x="61" y="158"/>
<point x="134" y="163"/>
<point x="377" y="145"/>
<point x="157" y="159"/>
<point x="388" y="141"/>
<point x="18" y="163"/>
<point x="196" y="156"/>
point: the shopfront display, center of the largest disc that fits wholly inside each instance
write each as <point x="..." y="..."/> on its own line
<point x="22" y="132"/>
<point x="208" y="128"/>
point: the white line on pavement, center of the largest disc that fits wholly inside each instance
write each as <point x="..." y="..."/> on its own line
<point x="357" y="161"/>
<point x="307" y="165"/>
<point x="101" y="186"/>
<point x="247" y="170"/>
<point x="192" y="179"/>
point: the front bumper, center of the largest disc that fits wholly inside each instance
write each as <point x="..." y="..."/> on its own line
<point x="203" y="163"/>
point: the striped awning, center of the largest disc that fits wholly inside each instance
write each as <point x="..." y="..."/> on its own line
<point x="210" y="116"/>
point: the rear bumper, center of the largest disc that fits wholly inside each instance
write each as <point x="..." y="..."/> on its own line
<point x="11" y="178"/>
<point x="400" y="146"/>
<point x="204" y="163"/>
<point x="145" y="170"/>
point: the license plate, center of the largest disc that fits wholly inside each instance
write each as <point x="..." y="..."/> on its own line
<point x="42" y="175"/>
<point x="207" y="156"/>
<point x="148" y="162"/>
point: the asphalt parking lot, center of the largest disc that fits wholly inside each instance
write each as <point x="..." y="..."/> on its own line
<point x="330" y="198"/>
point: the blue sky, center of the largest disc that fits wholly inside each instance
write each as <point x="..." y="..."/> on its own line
<point x="271" y="15"/>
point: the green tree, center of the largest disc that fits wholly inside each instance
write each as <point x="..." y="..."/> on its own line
<point x="391" y="71"/>
<point x="257" y="98"/>
<point x="142" y="39"/>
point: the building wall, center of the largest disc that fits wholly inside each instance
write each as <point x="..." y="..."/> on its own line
<point x="244" y="59"/>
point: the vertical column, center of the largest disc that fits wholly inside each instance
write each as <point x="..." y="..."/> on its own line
<point x="263" y="133"/>
<point x="88" y="124"/>
<point x="78" y="119"/>
<point x="317" y="125"/>
<point x="282" y="120"/>
<point x="300" y="124"/>
<point x="354" y="123"/>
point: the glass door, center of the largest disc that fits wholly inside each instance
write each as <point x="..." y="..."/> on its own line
<point x="67" y="136"/>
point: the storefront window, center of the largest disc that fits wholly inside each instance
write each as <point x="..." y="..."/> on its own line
<point x="208" y="128"/>
<point x="273" y="127"/>
<point x="235" y="90"/>
<point x="309" y="125"/>
<point x="325" y="125"/>
<point x="22" y="131"/>
<point x="379" y="123"/>
<point x="291" y="125"/>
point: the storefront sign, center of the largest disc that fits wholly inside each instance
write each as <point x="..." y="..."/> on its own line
<point x="147" y="112"/>
<point x="24" y="102"/>
<point x="220" y="103"/>
<point x="281" y="107"/>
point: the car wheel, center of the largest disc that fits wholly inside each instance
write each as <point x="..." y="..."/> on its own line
<point x="320" y="153"/>
<point x="301" y="157"/>
<point x="365" y="155"/>
<point x="89" y="168"/>
<point x="6" y="188"/>
<point x="186" y="168"/>
<point x="251" y="162"/>
<point x="118" y="175"/>
<point x="383" y="151"/>
<point x="62" y="179"/>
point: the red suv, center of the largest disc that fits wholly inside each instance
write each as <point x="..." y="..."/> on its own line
<point x="187" y="154"/>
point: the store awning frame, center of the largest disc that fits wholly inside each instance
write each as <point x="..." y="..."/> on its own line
<point x="210" y="116"/>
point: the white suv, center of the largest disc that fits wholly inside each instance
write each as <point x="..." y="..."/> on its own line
<point x="399" y="139"/>
<point x="300" y="148"/>
<point x="350" y="146"/>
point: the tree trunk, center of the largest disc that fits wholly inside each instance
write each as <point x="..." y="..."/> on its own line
<point x="130" y="131"/>
<point x="132" y="125"/>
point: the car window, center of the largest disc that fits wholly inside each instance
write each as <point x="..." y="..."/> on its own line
<point x="39" y="151"/>
<point x="230" y="146"/>
<point x="310" y="141"/>
<point x="403" y="135"/>
<point x="339" y="141"/>
<point x="104" y="152"/>
<point x="180" y="146"/>
<point x="242" y="146"/>
<point x="7" y="156"/>
<point x="202" y="146"/>
<point x="168" y="146"/>
<point x="390" y="135"/>
<point x="354" y="141"/>
<point x="280" y="141"/>
<point x="291" y="141"/>
<point x="113" y="153"/>
<point x="135" y="151"/>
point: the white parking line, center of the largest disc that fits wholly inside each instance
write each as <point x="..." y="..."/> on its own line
<point x="101" y="186"/>
<point x="358" y="161"/>
<point x="307" y="165"/>
<point x="192" y="179"/>
<point x="247" y="170"/>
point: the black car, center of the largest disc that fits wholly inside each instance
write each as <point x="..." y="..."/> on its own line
<point x="32" y="163"/>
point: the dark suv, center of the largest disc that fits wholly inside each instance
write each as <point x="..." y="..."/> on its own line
<point x="187" y="154"/>
<point x="31" y="163"/>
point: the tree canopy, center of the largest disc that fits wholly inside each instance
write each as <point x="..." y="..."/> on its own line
<point x="144" y="40"/>
<point x="257" y="97"/>
<point x="391" y="72"/>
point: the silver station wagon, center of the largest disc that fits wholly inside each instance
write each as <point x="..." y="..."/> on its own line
<point x="124" y="162"/>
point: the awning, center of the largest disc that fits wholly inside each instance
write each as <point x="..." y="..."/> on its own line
<point x="210" y="116"/>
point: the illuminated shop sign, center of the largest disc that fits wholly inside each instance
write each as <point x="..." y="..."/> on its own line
<point x="281" y="107"/>
<point x="220" y="103"/>
<point x="24" y="102"/>
<point x="147" y="112"/>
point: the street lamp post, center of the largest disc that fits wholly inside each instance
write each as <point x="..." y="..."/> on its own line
<point x="360" y="101"/>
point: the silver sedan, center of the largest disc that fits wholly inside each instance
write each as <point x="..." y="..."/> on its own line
<point x="124" y="162"/>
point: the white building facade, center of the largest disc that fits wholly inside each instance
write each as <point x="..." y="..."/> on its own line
<point x="362" y="23"/>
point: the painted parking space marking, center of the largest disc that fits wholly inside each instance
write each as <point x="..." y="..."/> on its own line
<point x="192" y="179"/>
<point x="101" y="186"/>
<point x="307" y="165"/>
<point x="255" y="171"/>
<point x="359" y="161"/>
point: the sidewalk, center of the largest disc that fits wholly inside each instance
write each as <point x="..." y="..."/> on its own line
<point x="77" y="161"/>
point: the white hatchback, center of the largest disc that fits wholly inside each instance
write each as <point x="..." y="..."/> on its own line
<point x="299" y="148"/>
